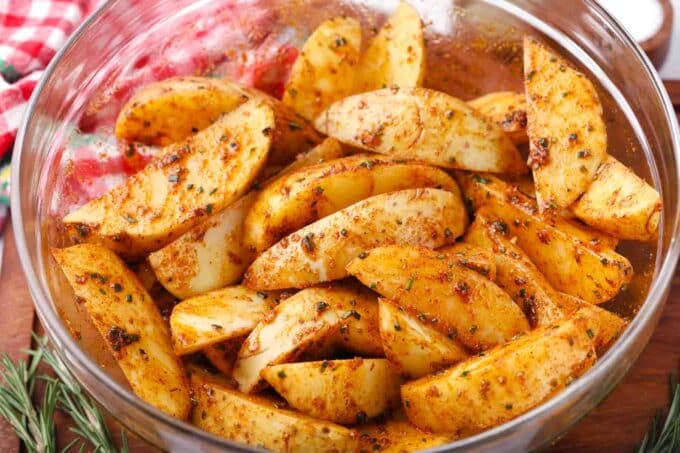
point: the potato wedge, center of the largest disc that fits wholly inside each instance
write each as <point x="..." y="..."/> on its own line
<point x="473" y="257"/>
<point x="397" y="435"/>
<point x="302" y="197"/>
<point x="421" y="124"/>
<point x="328" y="149"/>
<point x="209" y="256"/>
<point x="326" y="70"/>
<point x="565" y="125"/>
<point x="508" y="110"/>
<point x="489" y="390"/>
<point x="190" y="180"/>
<point x="260" y="422"/>
<point x="442" y="294"/>
<point x="587" y="270"/>
<point x="223" y="355"/>
<point x="319" y="252"/>
<point x="396" y="56"/>
<point x="173" y="109"/>
<point x="303" y="321"/>
<point x="130" y="323"/>
<point x="620" y="203"/>
<point x="415" y="348"/>
<point x="341" y="391"/>
<point x="218" y="316"/>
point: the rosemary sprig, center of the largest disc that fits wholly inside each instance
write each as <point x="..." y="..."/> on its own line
<point x="667" y="440"/>
<point x="34" y="423"/>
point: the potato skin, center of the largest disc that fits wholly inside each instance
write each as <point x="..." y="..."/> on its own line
<point x="415" y="348"/>
<point x="508" y="110"/>
<point x="187" y="182"/>
<point x="319" y="252"/>
<point x="259" y="421"/>
<point x="421" y="124"/>
<point x="476" y="258"/>
<point x="304" y="196"/>
<point x="567" y="134"/>
<point x="585" y="269"/>
<point x="217" y="316"/>
<point x="130" y="323"/>
<point x="397" y="55"/>
<point x="326" y="69"/>
<point x="620" y="203"/>
<point x="486" y="391"/>
<point x="341" y="391"/>
<point x="442" y="294"/>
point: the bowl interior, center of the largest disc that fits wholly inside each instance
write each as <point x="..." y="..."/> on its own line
<point x="474" y="47"/>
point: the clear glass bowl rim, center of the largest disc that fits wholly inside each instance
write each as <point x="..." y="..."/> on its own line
<point x="54" y="327"/>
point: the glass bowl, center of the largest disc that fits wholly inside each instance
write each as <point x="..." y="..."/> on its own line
<point x="474" y="46"/>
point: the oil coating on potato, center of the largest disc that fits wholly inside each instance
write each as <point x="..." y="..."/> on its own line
<point x="308" y="320"/>
<point x="473" y="257"/>
<point x="302" y="197"/>
<point x="585" y="269"/>
<point x="486" y="391"/>
<point x="442" y="294"/>
<point x="223" y="355"/>
<point x="319" y="252"/>
<point x="415" y="348"/>
<point x="185" y="184"/>
<point x="508" y="110"/>
<point x="422" y="124"/>
<point x="173" y="109"/>
<point x="326" y="69"/>
<point x="130" y="323"/>
<point x="396" y="56"/>
<point x="620" y="203"/>
<point x="261" y="422"/>
<point x="397" y="435"/>
<point x="567" y="134"/>
<point x="341" y="391"/>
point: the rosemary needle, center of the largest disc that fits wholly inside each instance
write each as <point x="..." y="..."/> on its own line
<point x="668" y="439"/>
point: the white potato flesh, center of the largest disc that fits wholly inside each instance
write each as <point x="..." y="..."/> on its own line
<point x="421" y="124"/>
<point x="565" y="125"/>
<point x="130" y="324"/>
<point x="442" y="294"/>
<point x="326" y="69"/>
<point x="218" y="316"/>
<point x="261" y="422"/>
<point x="319" y="252"/>
<point x="414" y="348"/>
<point x="341" y="391"/>
<point x="486" y="391"/>
<point x="508" y="110"/>
<point x="304" y="196"/>
<point x="309" y="319"/>
<point x="396" y="56"/>
<point x="189" y="180"/>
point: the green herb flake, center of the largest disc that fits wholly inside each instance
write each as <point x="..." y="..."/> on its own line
<point x="409" y="284"/>
<point x="281" y="374"/>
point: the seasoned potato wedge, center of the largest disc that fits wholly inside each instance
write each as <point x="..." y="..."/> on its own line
<point x="397" y="435"/>
<point x="415" y="348"/>
<point x="422" y="124"/>
<point x="326" y="70"/>
<point x="328" y="149"/>
<point x="191" y="179"/>
<point x="442" y="294"/>
<point x="586" y="270"/>
<point x="473" y="257"/>
<point x="217" y="316"/>
<point x="209" y="256"/>
<point x="565" y="125"/>
<point x="259" y="421"/>
<point x="486" y="391"/>
<point x="130" y="323"/>
<point x="342" y="391"/>
<point x="173" y="109"/>
<point x="304" y="321"/>
<point x="508" y="110"/>
<point x="320" y="251"/>
<point x="302" y="197"/>
<point x="223" y="355"/>
<point x="396" y="56"/>
<point x="620" y="203"/>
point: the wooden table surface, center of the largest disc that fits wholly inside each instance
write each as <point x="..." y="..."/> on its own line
<point x="618" y="424"/>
